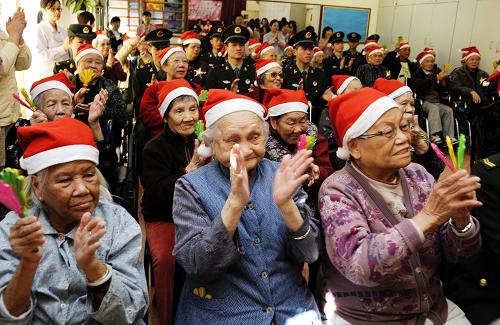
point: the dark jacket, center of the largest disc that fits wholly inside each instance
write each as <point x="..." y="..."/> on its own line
<point x="393" y="63"/>
<point x="475" y="286"/>
<point x="164" y="160"/>
<point x="463" y="81"/>
<point x="425" y="84"/>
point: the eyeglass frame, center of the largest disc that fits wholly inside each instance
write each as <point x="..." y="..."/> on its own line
<point x="278" y="74"/>
<point x="408" y="126"/>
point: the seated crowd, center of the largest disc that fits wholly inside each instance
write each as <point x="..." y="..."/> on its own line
<point x="283" y="179"/>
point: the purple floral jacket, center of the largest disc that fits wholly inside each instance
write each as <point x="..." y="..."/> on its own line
<point x="380" y="271"/>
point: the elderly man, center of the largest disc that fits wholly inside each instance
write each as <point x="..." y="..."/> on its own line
<point x="399" y="63"/>
<point x="76" y="258"/>
<point x="371" y="71"/>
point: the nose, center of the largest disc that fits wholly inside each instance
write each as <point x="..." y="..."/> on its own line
<point x="80" y="188"/>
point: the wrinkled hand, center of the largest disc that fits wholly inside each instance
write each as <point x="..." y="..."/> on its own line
<point x="351" y="62"/>
<point x="441" y="76"/>
<point x="86" y="241"/>
<point x="79" y="97"/>
<point x="452" y="197"/>
<point x="111" y="59"/>
<point x="328" y="94"/>
<point x="313" y="172"/>
<point x="96" y="108"/>
<point x="421" y="146"/>
<point x="240" y="190"/>
<point x="234" y="85"/>
<point x="290" y="175"/>
<point x="342" y="63"/>
<point x="196" y="161"/>
<point x="475" y="97"/>
<point x="38" y="117"/>
<point x="26" y="239"/>
<point x="15" y="26"/>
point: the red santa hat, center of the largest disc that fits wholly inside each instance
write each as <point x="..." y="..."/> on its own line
<point x="190" y="37"/>
<point x="403" y="45"/>
<point x="86" y="49"/>
<point x="263" y="65"/>
<point x="316" y="51"/>
<point x="374" y="49"/>
<point x="253" y="43"/>
<point x="369" y="43"/>
<point x="467" y="52"/>
<point x="99" y="38"/>
<point x="354" y="113"/>
<point x="263" y="48"/>
<point x="57" y="81"/>
<point x="424" y="55"/>
<point x="57" y="142"/>
<point x="428" y="49"/>
<point x="222" y="102"/>
<point x="168" y="91"/>
<point x="281" y="101"/>
<point x="288" y="47"/>
<point x="164" y="54"/>
<point x="341" y="81"/>
<point x="391" y="87"/>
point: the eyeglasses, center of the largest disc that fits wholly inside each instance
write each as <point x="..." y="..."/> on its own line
<point x="275" y="75"/>
<point x="389" y="134"/>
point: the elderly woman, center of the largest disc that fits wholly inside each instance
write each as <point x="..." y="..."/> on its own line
<point x="269" y="75"/>
<point x="341" y="84"/>
<point x="403" y="96"/>
<point x="275" y="37"/>
<point x="288" y="120"/>
<point x="75" y="258"/>
<point x="165" y="159"/>
<point x="53" y="97"/>
<point x="387" y="224"/>
<point x="114" y="117"/>
<point x="243" y="230"/>
<point x="174" y="63"/>
<point x="113" y="69"/>
<point x="266" y="51"/>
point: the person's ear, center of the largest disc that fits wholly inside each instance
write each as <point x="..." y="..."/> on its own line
<point x="354" y="149"/>
<point x="273" y="122"/>
<point x="36" y="187"/>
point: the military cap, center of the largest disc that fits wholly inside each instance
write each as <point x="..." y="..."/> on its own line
<point x="304" y="37"/>
<point x="195" y="28"/>
<point x="82" y="31"/>
<point x="337" y="37"/>
<point x="374" y="37"/>
<point x="215" y="32"/>
<point x="353" y="37"/>
<point x="236" y="33"/>
<point x="159" y="38"/>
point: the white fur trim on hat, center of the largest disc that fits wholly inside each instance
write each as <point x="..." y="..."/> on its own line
<point x="344" y="85"/>
<point x="231" y="106"/>
<point x="404" y="46"/>
<point x="53" y="84"/>
<point x="254" y="45"/>
<point x="470" y="54"/>
<point x="400" y="91"/>
<point x="59" y="155"/>
<point x="425" y="57"/>
<point x="99" y="38"/>
<point x="266" y="49"/>
<point x="267" y="67"/>
<point x="316" y="53"/>
<point x="364" y="122"/>
<point x="169" y="53"/>
<point x="191" y="41"/>
<point x="380" y="50"/>
<point x="205" y="151"/>
<point x="81" y="54"/>
<point x="173" y="95"/>
<point x="284" y="108"/>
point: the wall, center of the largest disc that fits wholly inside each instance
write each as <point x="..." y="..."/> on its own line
<point x="372" y="4"/>
<point x="446" y="25"/>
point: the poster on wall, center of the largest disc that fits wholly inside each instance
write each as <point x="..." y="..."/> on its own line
<point x="205" y="10"/>
<point x="346" y="19"/>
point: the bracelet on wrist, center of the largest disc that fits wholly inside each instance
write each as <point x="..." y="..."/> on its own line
<point x="464" y="229"/>
<point x="102" y="279"/>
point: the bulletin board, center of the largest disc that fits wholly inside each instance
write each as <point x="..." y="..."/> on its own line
<point x="346" y="19"/>
<point x="205" y="10"/>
